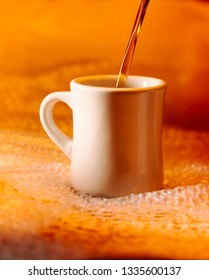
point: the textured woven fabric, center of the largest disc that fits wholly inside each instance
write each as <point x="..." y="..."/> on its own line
<point x="41" y="216"/>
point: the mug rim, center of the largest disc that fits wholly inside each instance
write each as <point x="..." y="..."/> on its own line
<point x="80" y="81"/>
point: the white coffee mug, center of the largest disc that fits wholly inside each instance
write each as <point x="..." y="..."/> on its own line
<point x="116" y="148"/>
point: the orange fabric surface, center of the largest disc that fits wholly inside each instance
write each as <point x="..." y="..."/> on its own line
<point x="42" y="217"/>
<point x="45" y="44"/>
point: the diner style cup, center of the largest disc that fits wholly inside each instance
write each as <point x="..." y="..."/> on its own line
<point x="116" y="148"/>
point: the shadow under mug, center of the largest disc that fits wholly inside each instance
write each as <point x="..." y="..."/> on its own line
<point x="116" y="148"/>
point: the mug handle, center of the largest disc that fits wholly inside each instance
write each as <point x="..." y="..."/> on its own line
<point x="47" y="120"/>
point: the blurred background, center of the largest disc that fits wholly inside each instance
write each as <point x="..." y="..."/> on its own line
<point x="46" y="43"/>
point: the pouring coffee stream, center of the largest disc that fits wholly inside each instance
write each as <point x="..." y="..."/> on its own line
<point x="128" y="57"/>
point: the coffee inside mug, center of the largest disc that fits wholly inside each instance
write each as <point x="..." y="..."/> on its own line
<point x="109" y="82"/>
